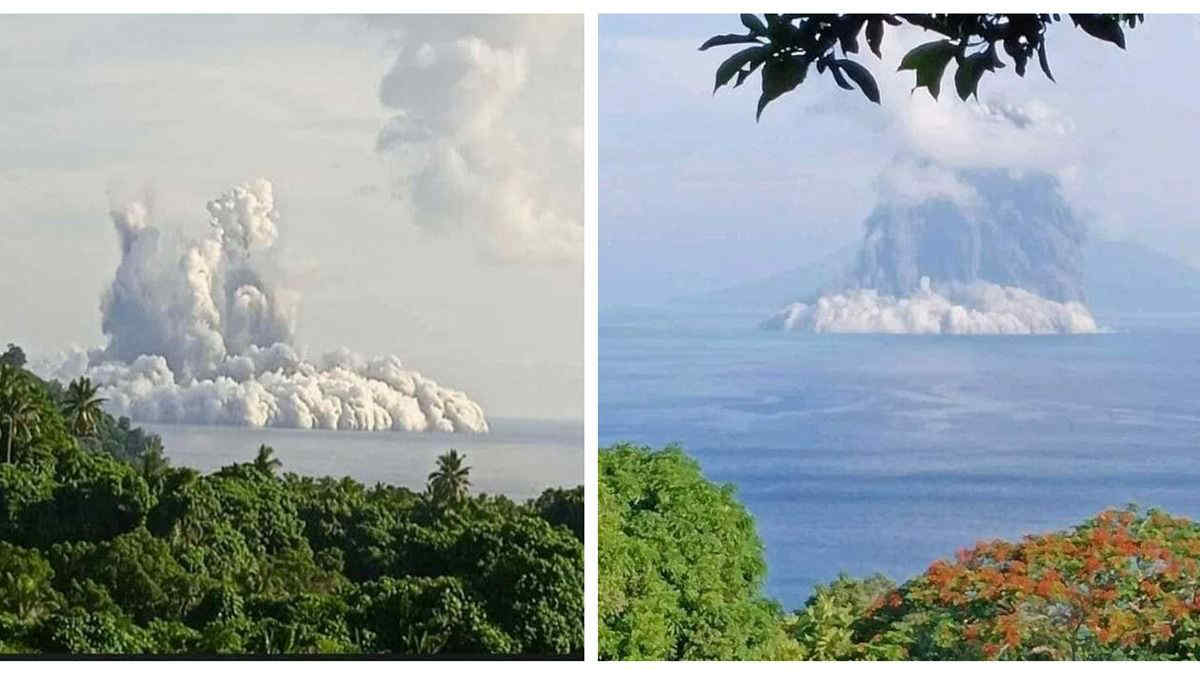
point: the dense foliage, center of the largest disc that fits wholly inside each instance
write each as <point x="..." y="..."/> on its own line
<point x="681" y="567"/>
<point x="106" y="548"/>
<point x="561" y="506"/>
<point x="1123" y="585"/>
<point x="13" y="356"/>
<point x="787" y="45"/>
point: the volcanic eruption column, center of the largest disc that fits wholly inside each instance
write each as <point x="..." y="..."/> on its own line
<point x="203" y="334"/>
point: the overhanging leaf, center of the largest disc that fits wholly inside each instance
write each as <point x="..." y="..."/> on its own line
<point x="929" y="61"/>
<point x="1103" y="27"/>
<point x="862" y="77"/>
<point x="780" y="76"/>
<point x="966" y="78"/>
<point x="780" y="30"/>
<point x="728" y="39"/>
<point x="1042" y="60"/>
<point x="1017" y="53"/>
<point x="755" y="24"/>
<point x="849" y="36"/>
<point x="991" y="60"/>
<point x="875" y="35"/>
<point x="930" y="52"/>
<point x="734" y="63"/>
<point x="838" y="77"/>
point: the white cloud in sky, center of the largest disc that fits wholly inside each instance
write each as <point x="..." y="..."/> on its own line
<point x="907" y="183"/>
<point x="456" y="154"/>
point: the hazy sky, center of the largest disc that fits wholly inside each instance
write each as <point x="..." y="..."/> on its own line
<point x="695" y="196"/>
<point x="427" y="171"/>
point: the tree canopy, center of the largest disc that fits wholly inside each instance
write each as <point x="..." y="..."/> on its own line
<point x="785" y="46"/>
<point x="13" y="356"/>
<point x="105" y="548"/>
<point x="1122" y="585"/>
<point x="681" y="566"/>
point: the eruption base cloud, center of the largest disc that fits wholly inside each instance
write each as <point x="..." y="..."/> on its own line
<point x="200" y="334"/>
<point x="344" y="392"/>
<point x="978" y="308"/>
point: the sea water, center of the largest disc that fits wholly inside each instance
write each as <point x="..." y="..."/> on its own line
<point x="518" y="458"/>
<point x="882" y="453"/>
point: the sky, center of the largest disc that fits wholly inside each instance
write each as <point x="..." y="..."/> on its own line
<point x="695" y="196"/>
<point x="427" y="171"/>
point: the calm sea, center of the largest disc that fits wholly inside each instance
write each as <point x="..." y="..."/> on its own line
<point x="518" y="458"/>
<point x="871" y="453"/>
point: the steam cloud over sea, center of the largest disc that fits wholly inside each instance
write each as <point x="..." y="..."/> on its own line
<point x="202" y="332"/>
<point x="965" y="252"/>
<point x="979" y="308"/>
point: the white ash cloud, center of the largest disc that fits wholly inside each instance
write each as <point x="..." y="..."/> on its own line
<point x="203" y="333"/>
<point x="997" y="132"/>
<point x="462" y="144"/>
<point x="978" y="308"/>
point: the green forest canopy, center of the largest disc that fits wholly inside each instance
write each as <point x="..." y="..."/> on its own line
<point x="106" y="548"/>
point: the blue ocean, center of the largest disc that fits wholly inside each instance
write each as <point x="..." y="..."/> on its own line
<point x="882" y="453"/>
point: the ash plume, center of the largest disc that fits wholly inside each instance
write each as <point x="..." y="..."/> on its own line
<point x="972" y="251"/>
<point x="204" y="333"/>
<point x="999" y="228"/>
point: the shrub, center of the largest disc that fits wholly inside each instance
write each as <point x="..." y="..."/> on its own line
<point x="681" y="565"/>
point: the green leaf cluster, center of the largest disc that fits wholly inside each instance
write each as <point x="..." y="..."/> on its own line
<point x="681" y="566"/>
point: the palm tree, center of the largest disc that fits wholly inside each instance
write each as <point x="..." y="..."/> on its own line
<point x="265" y="461"/>
<point x="153" y="462"/>
<point x="29" y="596"/>
<point x="18" y="411"/>
<point x="82" y="406"/>
<point x="449" y="483"/>
<point x="9" y="384"/>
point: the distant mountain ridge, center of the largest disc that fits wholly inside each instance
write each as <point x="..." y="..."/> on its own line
<point x="1130" y="278"/>
<point x="1118" y="277"/>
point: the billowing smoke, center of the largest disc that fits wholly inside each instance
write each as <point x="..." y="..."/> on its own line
<point x="486" y="141"/>
<point x="997" y="227"/>
<point x="969" y="251"/>
<point x="203" y="333"/>
<point x="977" y="308"/>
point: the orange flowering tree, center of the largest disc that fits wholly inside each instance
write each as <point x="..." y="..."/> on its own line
<point x="1125" y="584"/>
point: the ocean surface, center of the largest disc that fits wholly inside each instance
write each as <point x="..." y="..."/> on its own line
<point x="518" y="458"/>
<point x="877" y="453"/>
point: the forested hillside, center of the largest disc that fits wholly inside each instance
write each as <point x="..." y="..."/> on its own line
<point x="107" y="548"/>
